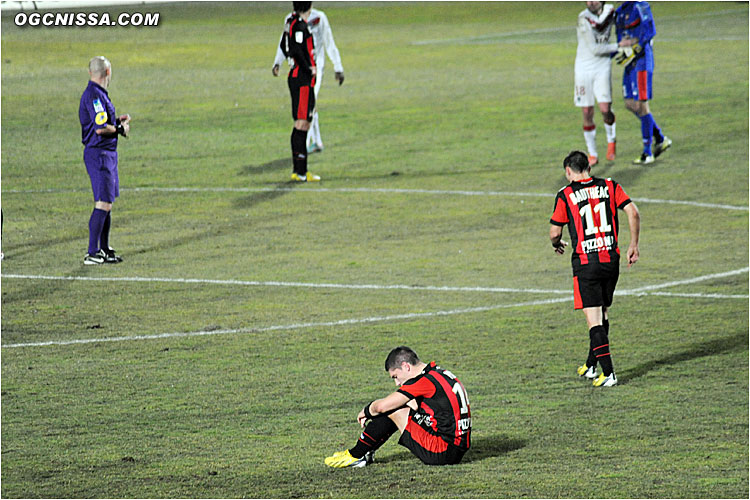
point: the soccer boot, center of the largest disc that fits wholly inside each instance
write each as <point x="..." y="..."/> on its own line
<point x="342" y="459"/>
<point x="662" y="146"/>
<point x="605" y="381"/>
<point x="593" y="160"/>
<point x="110" y="257"/>
<point x="611" y="146"/>
<point x="644" y="159"/>
<point x="94" y="260"/>
<point x="309" y="177"/>
<point x="586" y="371"/>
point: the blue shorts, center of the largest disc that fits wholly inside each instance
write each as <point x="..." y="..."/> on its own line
<point x="636" y="84"/>
<point x="102" y="168"/>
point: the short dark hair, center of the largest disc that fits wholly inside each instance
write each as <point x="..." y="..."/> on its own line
<point x="300" y="7"/>
<point x="399" y="355"/>
<point x="577" y="161"/>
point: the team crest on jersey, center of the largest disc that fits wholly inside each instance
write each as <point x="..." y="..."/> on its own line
<point x="98" y="106"/>
<point x="101" y="118"/>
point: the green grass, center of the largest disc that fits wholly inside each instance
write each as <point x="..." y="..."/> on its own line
<point x="251" y="408"/>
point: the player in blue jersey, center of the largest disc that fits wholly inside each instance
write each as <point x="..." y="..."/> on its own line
<point x="100" y="127"/>
<point x="635" y="33"/>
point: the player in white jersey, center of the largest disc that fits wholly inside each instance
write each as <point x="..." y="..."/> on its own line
<point x="323" y="38"/>
<point x="593" y="74"/>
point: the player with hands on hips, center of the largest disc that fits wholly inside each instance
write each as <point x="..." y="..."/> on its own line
<point x="324" y="44"/>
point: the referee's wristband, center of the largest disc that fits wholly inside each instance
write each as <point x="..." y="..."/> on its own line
<point x="367" y="410"/>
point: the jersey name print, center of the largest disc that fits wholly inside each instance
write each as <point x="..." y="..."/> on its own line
<point x="589" y="209"/>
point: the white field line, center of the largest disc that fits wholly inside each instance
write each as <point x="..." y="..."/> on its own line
<point x="697" y="279"/>
<point x="439" y="192"/>
<point x="569" y="29"/>
<point x="294" y="326"/>
<point x="647" y="290"/>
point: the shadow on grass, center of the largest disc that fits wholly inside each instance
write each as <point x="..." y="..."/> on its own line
<point x="271" y="166"/>
<point x="716" y="346"/>
<point x="481" y="448"/>
<point x="234" y="226"/>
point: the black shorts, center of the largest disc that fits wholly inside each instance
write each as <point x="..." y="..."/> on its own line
<point x="594" y="284"/>
<point x="430" y="449"/>
<point x="303" y="100"/>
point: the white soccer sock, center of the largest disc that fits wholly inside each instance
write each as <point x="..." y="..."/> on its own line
<point x="611" y="135"/>
<point x="590" y="137"/>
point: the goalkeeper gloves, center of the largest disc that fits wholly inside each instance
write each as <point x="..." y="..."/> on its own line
<point x="625" y="55"/>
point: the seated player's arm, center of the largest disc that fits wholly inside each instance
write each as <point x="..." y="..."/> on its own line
<point x="393" y="401"/>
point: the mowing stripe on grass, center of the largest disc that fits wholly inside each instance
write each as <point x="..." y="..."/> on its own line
<point x="294" y="326"/>
<point x="439" y="192"/>
<point x="293" y="284"/>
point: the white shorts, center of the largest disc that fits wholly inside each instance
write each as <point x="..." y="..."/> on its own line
<point x="592" y="85"/>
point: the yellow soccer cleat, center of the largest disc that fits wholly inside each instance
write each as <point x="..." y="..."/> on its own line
<point x="605" y="380"/>
<point x="588" y="372"/>
<point x="342" y="459"/>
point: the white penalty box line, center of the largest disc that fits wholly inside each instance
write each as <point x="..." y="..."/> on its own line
<point x="645" y="290"/>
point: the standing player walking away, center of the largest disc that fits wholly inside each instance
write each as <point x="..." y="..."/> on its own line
<point x="588" y="206"/>
<point x="430" y="409"/>
<point x="99" y="129"/>
<point x="297" y="45"/>
<point x="635" y="33"/>
<point x="323" y="40"/>
<point x="593" y="74"/>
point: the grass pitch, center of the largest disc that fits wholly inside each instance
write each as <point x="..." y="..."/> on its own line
<point x="230" y="352"/>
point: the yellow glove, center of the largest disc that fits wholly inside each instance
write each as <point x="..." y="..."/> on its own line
<point x="625" y="55"/>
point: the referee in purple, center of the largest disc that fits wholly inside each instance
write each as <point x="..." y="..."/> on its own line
<point x="100" y="127"/>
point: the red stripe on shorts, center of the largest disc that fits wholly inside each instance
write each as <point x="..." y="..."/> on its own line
<point x="429" y="442"/>
<point x="643" y="85"/>
<point x="304" y="96"/>
<point x="577" y="301"/>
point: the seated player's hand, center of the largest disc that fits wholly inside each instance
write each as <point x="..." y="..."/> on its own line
<point x="339" y="77"/>
<point x="275" y="70"/>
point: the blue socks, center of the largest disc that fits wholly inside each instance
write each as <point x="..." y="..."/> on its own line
<point x="649" y="131"/>
<point x="96" y="224"/>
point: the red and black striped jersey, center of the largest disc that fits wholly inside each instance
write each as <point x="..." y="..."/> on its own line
<point x="443" y="406"/>
<point x="298" y="45"/>
<point x="589" y="209"/>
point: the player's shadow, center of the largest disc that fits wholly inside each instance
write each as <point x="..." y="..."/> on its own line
<point x="482" y="447"/>
<point x="712" y="347"/>
<point x="271" y="166"/>
<point x="235" y="225"/>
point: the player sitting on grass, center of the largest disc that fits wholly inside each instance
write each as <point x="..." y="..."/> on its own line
<point x="430" y="409"/>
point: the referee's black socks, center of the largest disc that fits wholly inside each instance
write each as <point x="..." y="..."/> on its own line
<point x="299" y="151"/>
<point x="375" y="434"/>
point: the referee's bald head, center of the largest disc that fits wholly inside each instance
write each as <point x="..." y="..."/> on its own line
<point x="98" y="66"/>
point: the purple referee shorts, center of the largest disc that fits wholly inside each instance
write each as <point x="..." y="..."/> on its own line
<point x="102" y="168"/>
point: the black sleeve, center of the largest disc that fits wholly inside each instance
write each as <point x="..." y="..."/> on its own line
<point x="299" y="50"/>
